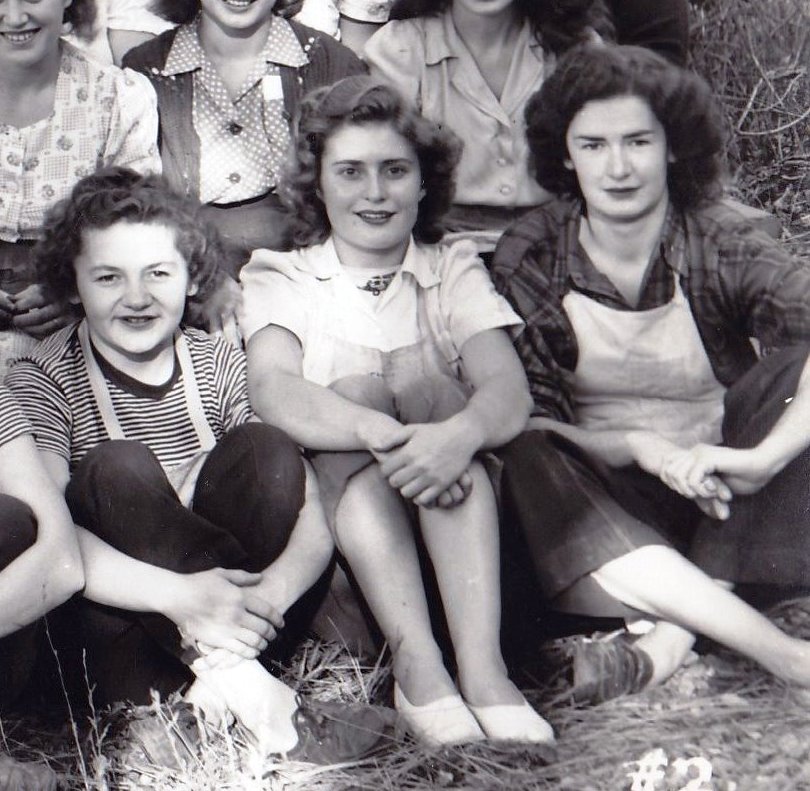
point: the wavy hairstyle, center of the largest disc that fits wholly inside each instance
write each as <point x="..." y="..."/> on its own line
<point x="557" y="24"/>
<point x="681" y="101"/>
<point x="365" y="100"/>
<point x="118" y="194"/>
<point x="81" y="14"/>
<point x="182" y="12"/>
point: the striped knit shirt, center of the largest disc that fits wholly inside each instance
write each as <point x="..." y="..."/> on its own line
<point x="13" y="423"/>
<point x="53" y="388"/>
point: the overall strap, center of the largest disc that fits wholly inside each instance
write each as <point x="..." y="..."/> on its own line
<point x="101" y="393"/>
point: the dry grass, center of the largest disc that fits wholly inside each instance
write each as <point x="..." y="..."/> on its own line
<point x="756" y="56"/>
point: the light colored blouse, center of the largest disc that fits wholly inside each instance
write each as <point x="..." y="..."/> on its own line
<point x="441" y="297"/>
<point x="102" y="116"/>
<point x="426" y="60"/>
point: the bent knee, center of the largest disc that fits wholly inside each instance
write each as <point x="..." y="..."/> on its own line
<point x="369" y="391"/>
<point x="116" y="460"/>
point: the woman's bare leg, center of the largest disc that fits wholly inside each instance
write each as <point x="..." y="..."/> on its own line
<point x="660" y="581"/>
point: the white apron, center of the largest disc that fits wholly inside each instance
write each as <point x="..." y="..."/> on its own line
<point x="644" y="370"/>
<point x="183" y="477"/>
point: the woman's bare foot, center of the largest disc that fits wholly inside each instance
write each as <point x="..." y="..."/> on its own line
<point x="422" y="677"/>
<point x="213" y="707"/>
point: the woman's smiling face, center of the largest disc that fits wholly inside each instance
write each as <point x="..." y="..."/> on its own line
<point x="30" y="30"/>
<point x="371" y="185"/>
<point x="238" y="18"/>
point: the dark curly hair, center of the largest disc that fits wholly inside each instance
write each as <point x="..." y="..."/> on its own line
<point x="118" y="194"/>
<point x="81" y="14"/>
<point x="680" y="100"/>
<point x="365" y="100"/>
<point x="557" y="24"/>
<point x="182" y="12"/>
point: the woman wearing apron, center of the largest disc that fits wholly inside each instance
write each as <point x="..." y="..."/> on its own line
<point x="199" y="528"/>
<point x="640" y="295"/>
<point x="387" y="356"/>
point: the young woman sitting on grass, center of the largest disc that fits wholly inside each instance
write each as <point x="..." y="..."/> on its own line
<point x="664" y="461"/>
<point x="199" y="526"/>
<point x="40" y="567"/>
<point x="229" y="80"/>
<point x="388" y="357"/>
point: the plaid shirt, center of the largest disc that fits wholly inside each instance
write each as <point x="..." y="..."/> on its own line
<point x="739" y="282"/>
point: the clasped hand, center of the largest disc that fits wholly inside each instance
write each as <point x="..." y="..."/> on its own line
<point x="221" y="613"/>
<point x="31" y="312"/>
<point x="427" y="462"/>
<point x="708" y="474"/>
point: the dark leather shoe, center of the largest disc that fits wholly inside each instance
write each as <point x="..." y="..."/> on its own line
<point x="331" y="732"/>
<point x="606" y="670"/>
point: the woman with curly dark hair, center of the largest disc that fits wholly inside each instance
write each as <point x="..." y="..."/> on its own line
<point x="656" y="433"/>
<point x="62" y="116"/>
<point x="471" y="66"/>
<point x="199" y="527"/>
<point x="387" y="356"/>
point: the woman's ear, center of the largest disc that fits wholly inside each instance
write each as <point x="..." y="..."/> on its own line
<point x="671" y="158"/>
<point x="74" y="299"/>
<point x="568" y="164"/>
<point x="422" y="190"/>
<point x="192" y="289"/>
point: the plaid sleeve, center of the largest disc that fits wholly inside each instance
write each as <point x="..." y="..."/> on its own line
<point x="521" y="272"/>
<point x="766" y="288"/>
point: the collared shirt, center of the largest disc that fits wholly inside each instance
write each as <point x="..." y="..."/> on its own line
<point x="101" y="116"/>
<point x="243" y="139"/>
<point x="426" y="60"/>
<point x="739" y="282"/>
<point x="309" y="293"/>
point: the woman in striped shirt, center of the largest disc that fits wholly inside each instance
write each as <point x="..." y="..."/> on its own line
<point x="199" y="527"/>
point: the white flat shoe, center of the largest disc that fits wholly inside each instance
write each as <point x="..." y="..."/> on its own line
<point x="442" y="722"/>
<point x="513" y="723"/>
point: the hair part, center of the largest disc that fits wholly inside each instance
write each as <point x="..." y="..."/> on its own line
<point x="117" y="194"/>
<point x="364" y="100"/>
<point x="557" y="24"/>
<point x="680" y="100"/>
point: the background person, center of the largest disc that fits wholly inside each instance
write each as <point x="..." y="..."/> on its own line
<point x="229" y="80"/>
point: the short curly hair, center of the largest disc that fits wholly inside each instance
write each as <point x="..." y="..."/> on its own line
<point x="81" y="14"/>
<point x="118" y="194"/>
<point x="681" y="101"/>
<point x="365" y="100"/>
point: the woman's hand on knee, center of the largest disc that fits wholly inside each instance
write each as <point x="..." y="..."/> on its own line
<point x="454" y="495"/>
<point x="220" y="608"/>
<point x="433" y="457"/>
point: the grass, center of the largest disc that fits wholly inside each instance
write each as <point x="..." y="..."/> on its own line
<point x="753" y="730"/>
